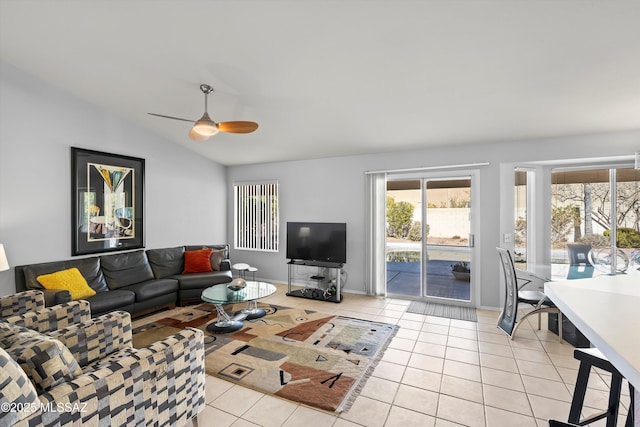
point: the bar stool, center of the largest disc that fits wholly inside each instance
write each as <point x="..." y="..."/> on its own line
<point x="589" y="357"/>
<point x="555" y="423"/>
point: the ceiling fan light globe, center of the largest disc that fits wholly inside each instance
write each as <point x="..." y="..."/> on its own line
<point x="205" y="126"/>
<point x="196" y="136"/>
<point x="205" y="130"/>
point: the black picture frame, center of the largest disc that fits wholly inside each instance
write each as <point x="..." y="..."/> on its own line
<point x="107" y="202"/>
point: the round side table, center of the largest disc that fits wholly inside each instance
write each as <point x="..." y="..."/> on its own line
<point x="252" y="270"/>
<point x="241" y="267"/>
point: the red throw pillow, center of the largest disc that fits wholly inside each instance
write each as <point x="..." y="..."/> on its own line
<point x="197" y="261"/>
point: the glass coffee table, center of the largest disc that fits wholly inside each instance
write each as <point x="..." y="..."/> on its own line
<point x="221" y="295"/>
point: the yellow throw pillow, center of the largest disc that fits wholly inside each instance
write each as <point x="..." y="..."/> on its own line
<point x="67" y="280"/>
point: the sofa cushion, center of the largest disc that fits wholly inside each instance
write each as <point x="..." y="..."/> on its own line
<point x="70" y="280"/>
<point x="217" y="255"/>
<point x="103" y="302"/>
<point x="114" y="357"/>
<point x="45" y="360"/>
<point x="204" y="280"/>
<point x="225" y="248"/>
<point x="126" y="269"/>
<point x="166" y="262"/>
<point x="89" y="268"/>
<point x="16" y="388"/>
<point x="153" y="288"/>
<point x="198" y="261"/>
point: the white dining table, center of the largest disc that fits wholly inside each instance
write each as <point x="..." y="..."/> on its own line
<point x="606" y="309"/>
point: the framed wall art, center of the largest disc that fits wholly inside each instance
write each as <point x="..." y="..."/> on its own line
<point x="107" y="202"/>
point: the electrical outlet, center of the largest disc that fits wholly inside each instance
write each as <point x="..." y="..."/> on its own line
<point x="507" y="237"/>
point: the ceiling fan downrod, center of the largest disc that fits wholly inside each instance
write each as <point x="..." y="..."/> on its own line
<point x="206" y="89"/>
<point x="205" y="127"/>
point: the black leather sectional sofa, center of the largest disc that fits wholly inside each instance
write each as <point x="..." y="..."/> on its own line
<point x="139" y="282"/>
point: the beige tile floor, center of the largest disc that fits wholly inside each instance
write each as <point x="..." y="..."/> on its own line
<point x="436" y="372"/>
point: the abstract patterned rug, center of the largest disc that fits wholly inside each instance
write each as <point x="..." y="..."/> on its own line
<point x="309" y="357"/>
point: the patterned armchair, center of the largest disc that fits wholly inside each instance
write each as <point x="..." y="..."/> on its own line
<point x="20" y="303"/>
<point x="60" y="367"/>
<point x="43" y="319"/>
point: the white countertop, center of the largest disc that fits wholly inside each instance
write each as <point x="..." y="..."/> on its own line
<point x="606" y="309"/>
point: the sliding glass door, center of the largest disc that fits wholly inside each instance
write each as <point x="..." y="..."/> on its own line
<point x="430" y="238"/>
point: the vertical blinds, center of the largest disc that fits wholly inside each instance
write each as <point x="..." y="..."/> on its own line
<point x="256" y="216"/>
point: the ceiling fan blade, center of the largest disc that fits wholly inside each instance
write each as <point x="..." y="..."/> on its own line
<point x="173" y="118"/>
<point x="237" y="127"/>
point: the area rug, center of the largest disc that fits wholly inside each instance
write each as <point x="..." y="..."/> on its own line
<point x="314" y="358"/>
<point x="443" y="310"/>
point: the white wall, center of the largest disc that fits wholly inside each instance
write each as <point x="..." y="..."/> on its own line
<point x="333" y="190"/>
<point x="185" y="200"/>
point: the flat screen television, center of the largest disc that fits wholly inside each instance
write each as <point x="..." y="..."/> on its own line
<point x="317" y="241"/>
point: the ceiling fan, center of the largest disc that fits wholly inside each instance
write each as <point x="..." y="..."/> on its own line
<point x="204" y="128"/>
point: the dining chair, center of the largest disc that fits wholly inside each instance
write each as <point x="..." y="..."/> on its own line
<point x="514" y="295"/>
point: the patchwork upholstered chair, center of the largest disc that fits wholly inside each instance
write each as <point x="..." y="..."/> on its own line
<point x="33" y="314"/>
<point x="20" y="303"/>
<point x="60" y="367"/>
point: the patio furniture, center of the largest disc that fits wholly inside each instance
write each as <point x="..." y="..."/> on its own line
<point x="580" y="266"/>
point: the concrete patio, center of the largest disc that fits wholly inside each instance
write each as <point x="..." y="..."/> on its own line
<point x="403" y="279"/>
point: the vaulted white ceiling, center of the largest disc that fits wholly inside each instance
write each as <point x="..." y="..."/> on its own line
<point x="332" y="78"/>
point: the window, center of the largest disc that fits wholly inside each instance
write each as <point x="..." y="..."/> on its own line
<point x="600" y="209"/>
<point x="521" y="229"/>
<point x="256" y="216"/>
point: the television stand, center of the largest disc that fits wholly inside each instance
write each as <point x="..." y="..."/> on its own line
<point x="323" y="284"/>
